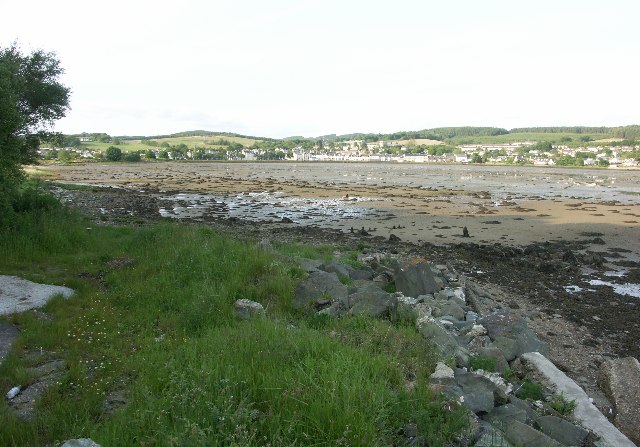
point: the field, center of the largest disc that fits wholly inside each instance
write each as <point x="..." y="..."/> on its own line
<point x="537" y="137"/>
<point x="191" y="142"/>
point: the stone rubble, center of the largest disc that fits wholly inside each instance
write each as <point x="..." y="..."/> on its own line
<point x="443" y="307"/>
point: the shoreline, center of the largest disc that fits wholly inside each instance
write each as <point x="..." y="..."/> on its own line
<point x="538" y="253"/>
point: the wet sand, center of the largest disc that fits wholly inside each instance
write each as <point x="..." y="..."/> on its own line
<point x="428" y="203"/>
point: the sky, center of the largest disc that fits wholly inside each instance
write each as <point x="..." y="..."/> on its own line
<point x="280" y="68"/>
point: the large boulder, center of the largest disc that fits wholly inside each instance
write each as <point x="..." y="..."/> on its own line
<point x="480" y="394"/>
<point x="335" y="267"/>
<point x="319" y="287"/>
<point x="620" y="380"/>
<point x="416" y="277"/>
<point x="511" y="334"/>
<point x="436" y="334"/>
<point x="372" y="301"/>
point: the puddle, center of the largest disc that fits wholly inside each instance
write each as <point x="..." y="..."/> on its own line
<point x="629" y="289"/>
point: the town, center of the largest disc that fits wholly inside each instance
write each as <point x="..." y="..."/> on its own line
<point x="612" y="153"/>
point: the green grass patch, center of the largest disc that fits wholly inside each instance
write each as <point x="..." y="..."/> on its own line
<point x="483" y="363"/>
<point x="161" y="330"/>
<point x="530" y="390"/>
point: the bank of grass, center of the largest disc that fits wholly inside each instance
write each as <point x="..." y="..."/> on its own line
<point x="161" y="332"/>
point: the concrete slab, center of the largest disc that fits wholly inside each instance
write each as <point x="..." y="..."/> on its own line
<point x="18" y="295"/>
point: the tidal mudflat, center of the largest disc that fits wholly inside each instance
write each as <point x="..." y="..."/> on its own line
<point x="418" y="203"/>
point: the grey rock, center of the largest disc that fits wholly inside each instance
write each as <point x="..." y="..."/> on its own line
<point x="310" y="265"/>
<point x="8" y="334"/>
<point x="561" y="430"/>
<point x="532" y="415"/>
<point x="501" y="416"/>
<point x="443" y="375"/>
<point x="372" y="301"/>
<point x="511" y="334"/>
<point x="480" y="394"/>
<point x="497" y="355"/>
<point x="335" y="267"/>
<point x="451" y="309"/>
<point x="363" y="274"/>
<point x="318" y="286"/>
<point x="80" y="442"/>
<point x="439" y="336"/>
<point x="620" y="380"/>
<point x="490" y="436"/>
<point x="416" y="278"/>
<point x="523" y="435"/>
<point x="247" y="309"/>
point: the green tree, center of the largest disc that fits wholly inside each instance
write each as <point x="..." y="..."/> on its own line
<point x="31" y="99"/>
<point x="132" y="157"/>
<point x="113" y="153"/>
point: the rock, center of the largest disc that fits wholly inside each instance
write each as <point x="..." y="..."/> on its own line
<point x="522" y="435"/>
<point x="247" y="309"/>
<point x="480" y="394"/>
<point x="372" y="301"/>
<point x="511" y="334"/>
<point x="489" y="436"/>
<point x="465" y="232"/>
<point x="394" y="238"/>
<point x="18" y="295"/>
<point x="451" y="309"/>
<point x="286" y="220"/>
<point x="439" y="336"/>
<point x="620" y="380"/>
<point x="362" y="273"/>
<point x="318" y="286"/>
<point x="8" y="334"/>
<point x="80" y="442"/>
<point x="443" y="375"/>
<point x="23" y="404"/>
<point x="561" y="430"/>
<point x="501" y="416"/>
<point x="497" y="355"/>
<point x="476" y="330"/>
<point x="13" y="392"/>
<point x="585" y="413"/>
<point x="337" y="268"/>
<point x="415" y="278"/>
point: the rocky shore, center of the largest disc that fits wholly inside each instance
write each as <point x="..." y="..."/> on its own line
<point x="545" y="284"/>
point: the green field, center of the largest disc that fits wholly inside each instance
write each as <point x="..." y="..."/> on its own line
<point x="536" y="137"/>
<point x="190" y="142"/>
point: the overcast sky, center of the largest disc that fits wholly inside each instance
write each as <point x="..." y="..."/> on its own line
<point x="293" y="67"/>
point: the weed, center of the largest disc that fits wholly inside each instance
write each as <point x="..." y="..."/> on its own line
<point x="530" y="390"/>
<point x="484" y="363"/>
<point x="563" y="406"/>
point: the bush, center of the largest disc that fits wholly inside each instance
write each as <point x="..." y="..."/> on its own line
<point x="113" y="153"/>
<point x="132" y="157"/>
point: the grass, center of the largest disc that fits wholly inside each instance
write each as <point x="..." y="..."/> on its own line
<point x="484" y="363"/>
<point x="162" y="332"/>
<point x="191" y="142"/>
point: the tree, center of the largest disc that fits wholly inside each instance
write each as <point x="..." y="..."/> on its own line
<point x="31" y="99"/>
<point x="113" y="153"/>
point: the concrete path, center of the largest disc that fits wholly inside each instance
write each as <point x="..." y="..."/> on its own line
<point x="18" y="295"/>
